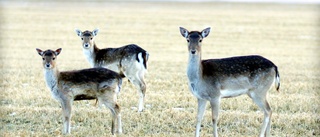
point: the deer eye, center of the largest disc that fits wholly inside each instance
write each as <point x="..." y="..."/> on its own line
<point x="53" y="58"/>
<point x="91" y="38"/>
<point x="200" y="40"/>
<point x="42" y="58"/>
<point x="81" y="38"/>
<point x="188" y="40"/>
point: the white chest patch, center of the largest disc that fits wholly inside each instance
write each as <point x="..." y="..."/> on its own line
<point x="51" y="81"/>
<point x="195" y="90"/>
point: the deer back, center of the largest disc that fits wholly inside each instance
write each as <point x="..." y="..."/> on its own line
<point x="88" y="83"/>
<point x="117" y="55"/>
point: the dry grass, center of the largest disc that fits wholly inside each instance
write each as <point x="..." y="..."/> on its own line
<point x="286" y="34"/>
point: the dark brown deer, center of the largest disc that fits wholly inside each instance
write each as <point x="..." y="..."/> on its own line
<point x="213" y="79"/>
<point x="68" y="86"/>
<point x="129" y="61"/>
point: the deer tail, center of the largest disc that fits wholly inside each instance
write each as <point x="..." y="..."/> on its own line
<point x="277" y="82"/>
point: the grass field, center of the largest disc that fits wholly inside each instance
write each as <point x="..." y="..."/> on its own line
<point x="286" y="34"/>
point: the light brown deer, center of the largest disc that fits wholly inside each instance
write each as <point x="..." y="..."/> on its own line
<point x="213" y="79"/>
<point x="68" y="86"/>
<point x="129" y="61"/>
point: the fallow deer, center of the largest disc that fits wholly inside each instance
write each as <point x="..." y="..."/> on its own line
<point x="213" y="79"/>
<point x="68" y="86"/>
<point x="129" y="61"/>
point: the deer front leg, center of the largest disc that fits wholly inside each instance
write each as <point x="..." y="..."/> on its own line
<point x="201" y="108"/>
<point x="66" y="116"/>
<point x="215" y="104"/>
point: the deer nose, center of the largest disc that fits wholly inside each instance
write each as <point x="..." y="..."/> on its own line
<point x="47" y="65"/>
<point x="86" y="45"/>
<point x="193" y="51"/>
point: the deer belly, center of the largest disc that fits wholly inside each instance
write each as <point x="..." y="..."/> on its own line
<point x="88" y="89"/>
<point x="228" y="93"/>
<point x="232" y="87"/>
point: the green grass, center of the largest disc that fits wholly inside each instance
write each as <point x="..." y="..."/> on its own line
<point x="287" y="34"/>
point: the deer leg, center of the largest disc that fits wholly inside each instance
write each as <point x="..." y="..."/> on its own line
<point x="116" y="116"/>
<point x="265" y="129"/>
<point x="264" y="106"/>
<point x="215" y="104"/>
<point x="267" y="133"/>
<point x="117" y="110"/>
<point x="140" y="84"/>
<point x="142" y="88"/>
<point x="66" y="113"/>
<point x="201" y="108"/>
<point x="119" y="121"/>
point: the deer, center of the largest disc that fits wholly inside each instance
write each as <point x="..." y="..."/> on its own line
<point x="86" y="84"/>
<point x="129" y="61"/>
<point x="214" y="79"/>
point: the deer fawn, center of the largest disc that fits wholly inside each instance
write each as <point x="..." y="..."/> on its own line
<point x="129" y="61"/>
<point x="213" y="79"/>
<point x="68" y="86"/>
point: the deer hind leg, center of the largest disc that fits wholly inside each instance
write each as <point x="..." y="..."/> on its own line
<point x="135" y="71"/>
<point x="142" y="89"/>
<point x="66" y="115"/>
<point x="138" y="81"/>
<point x="115" y="110"/>
<point x="264" y="106"/>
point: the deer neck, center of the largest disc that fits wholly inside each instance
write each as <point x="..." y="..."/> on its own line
<point x="91" y="54"/>
<point x="51" y="77"/>
<point x="194" y="70"/>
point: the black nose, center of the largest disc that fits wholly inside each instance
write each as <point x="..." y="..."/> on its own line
<point x="47" y="65"/>
<point x="193" y="51"/>
<point x="86" y="45"/>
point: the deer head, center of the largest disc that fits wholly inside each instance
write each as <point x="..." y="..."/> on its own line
<point x="87" y="37"/>
<point x="48" y="57"/>
<point x="194" y="39"/>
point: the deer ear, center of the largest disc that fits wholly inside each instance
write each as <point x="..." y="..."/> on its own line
<point x="57" y="52"/>
<point x="40" y="52"/>
<point x="184" y="32"/>
<point x="205" y="32"/>
<point x="95" y="32"/>
<point x="78" y="32"/>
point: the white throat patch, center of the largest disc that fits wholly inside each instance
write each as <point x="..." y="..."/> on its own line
<point x="89" y="55"/>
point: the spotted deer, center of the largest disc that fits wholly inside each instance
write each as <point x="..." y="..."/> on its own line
<point x="213" y="79"/>
<point x="129" y="61"/>
<point x="68" y="86"/>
